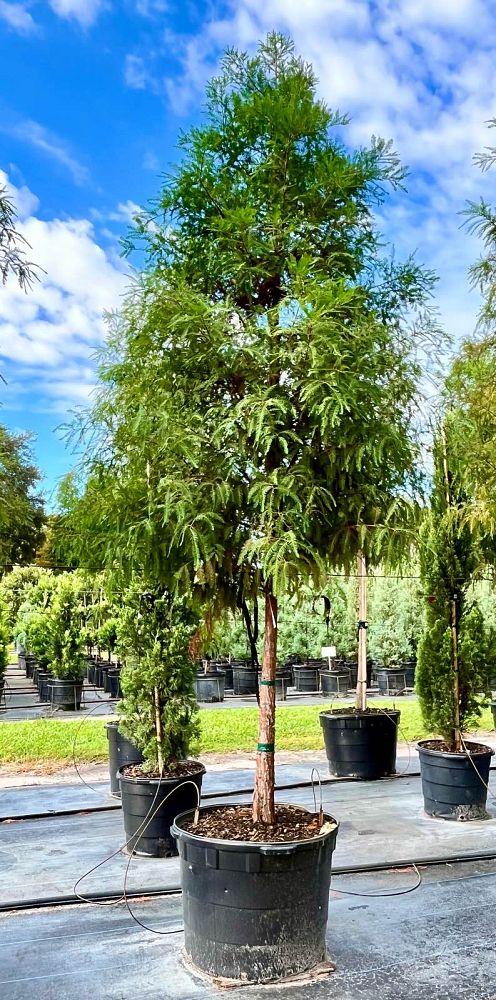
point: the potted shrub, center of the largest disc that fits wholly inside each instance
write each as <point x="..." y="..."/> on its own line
<point x="66" y="646"/>
<point x="158" y="714"/>
<point x="456" y="652"/>
<point x="361" y="742"/>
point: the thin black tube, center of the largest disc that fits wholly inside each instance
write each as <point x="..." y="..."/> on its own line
<point x="211" y="795"/>
<point x="430" y="861"/>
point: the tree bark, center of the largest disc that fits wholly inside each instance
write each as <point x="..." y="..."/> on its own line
<point x="361" y="691"/>
<point x="263" y="795"/>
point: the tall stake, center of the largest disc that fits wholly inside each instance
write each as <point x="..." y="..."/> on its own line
<point x="361" y="691"/>
<point x="158" y="729"/>
<point x="455" y="665"/>
<point x="263" y="794"/>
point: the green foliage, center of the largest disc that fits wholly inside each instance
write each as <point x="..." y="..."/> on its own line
<point x="154" y="633"/>
<point x="4" y="643"/>
<point x="21" y="508"/>
<point x="395" y="613"/>
<point x="450" y="556"/>
<point x="231" y="441"/>
<point x="66" y="646"/>
<point x="106" y="635"/>
<point x="13" y="247"/>
<point x="14" y="587"/>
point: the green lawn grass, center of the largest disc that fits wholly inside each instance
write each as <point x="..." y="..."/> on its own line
<point x="48" y="741"/>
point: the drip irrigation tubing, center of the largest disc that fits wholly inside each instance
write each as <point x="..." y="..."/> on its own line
<point x="289" y="786"/>
<point x="45" y="902"/>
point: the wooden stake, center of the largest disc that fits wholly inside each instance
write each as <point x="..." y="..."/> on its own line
<point x="158" y="728"/>
<point x="455" y="663"/>
<point x="361" y="691"/>
<point x="263" y="794"/>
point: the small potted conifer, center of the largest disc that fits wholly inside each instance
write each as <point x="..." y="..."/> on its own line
<point x="456" y="652"/>
<point x="158" y="714"/>
<point x="66" y="645"/>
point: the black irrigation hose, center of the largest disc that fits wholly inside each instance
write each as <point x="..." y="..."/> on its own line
<point x="290" y="786"/>
<point x="210" y="795"/>
<point x="45" y="902"/>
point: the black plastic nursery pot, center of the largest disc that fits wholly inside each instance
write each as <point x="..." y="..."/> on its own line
<point x="391" y="680"/>
<point x="335" y="682"/>
<point x="454" y="785"/>
<point x="254" y="912"/>
<point x="210" y="686"/>
<point x="306" y="678"/>
<point x="29" y="662"/>
<point x="114" y="683"/>
<point x="44" y="678"/>
<point x="65" y="694"/>
<point x="361" y="744"/>
<point x="493" y="710"/>
<point x="410" y="668"/>
<point x="149" y="810"/>
<point x="121" y="752"/>
<point x="244" y="679"/>
<point x="91" y="670"/>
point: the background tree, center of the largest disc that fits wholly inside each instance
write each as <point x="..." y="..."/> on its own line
<point x="21" y="507"/>
<point x="256" y="420"/>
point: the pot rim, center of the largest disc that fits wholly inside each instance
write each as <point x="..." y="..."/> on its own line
<point x="456" y="755"/>
<point x="262" y="847"/>
<point x="144" y="779"/>
<point x="339" y="713"/>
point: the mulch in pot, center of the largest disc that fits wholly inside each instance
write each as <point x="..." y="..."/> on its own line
<point x="178" y="769"/>
<point x="236" y="823"/>
<point x="442" y="747"/>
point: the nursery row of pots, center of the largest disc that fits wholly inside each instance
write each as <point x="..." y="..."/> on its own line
<point x="242" y="678"/>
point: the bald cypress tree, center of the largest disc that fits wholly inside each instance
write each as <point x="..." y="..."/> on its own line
<point x="259" y="388"/>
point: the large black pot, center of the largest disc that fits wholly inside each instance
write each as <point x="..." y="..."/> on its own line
<point x="44" y="678"/>
<point x="210" y="686"/>
<point x="254" y="912"/>
<point x="391" y="680"/>
<point x="361" y="745"/>
<point x="334" y="682"/>
<point x="121" y="752"/>
<point x="306" y="678"/>
<point x="410" y="667"/>
<point x="149" y="811"/>
<point x="65" y="694"/>
<point x="114" y="682"/>
<point x="493" y="710"/>
<point x="29" y="662"/>
<point x="244" y="680"/>
<point x="454" y="785"/>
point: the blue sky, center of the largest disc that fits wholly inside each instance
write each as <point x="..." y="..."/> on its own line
<point x="93" y="94"/>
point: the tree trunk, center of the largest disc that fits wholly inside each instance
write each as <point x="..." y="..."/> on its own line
<point x="361" y="691"/>
<point x="263" y="795"/>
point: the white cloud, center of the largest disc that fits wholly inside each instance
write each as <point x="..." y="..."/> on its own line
<point x="48" y="337"/>
<point x="83" y="11"/>
<point x="56" y="149"/>
<point x="136" y="74"/>
<point x="17" y="16"/>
